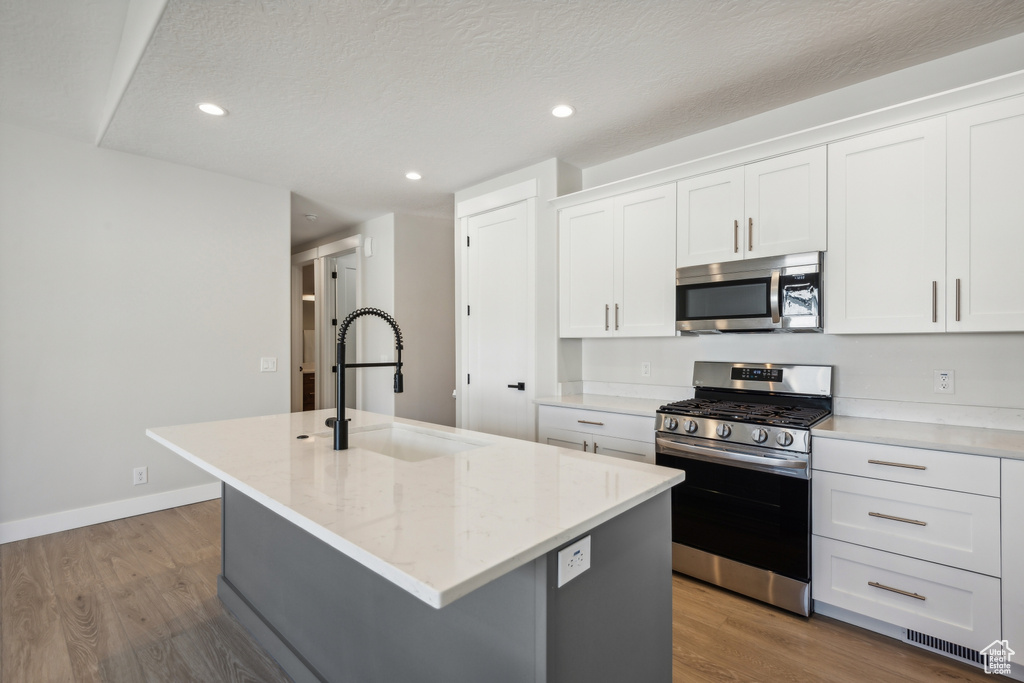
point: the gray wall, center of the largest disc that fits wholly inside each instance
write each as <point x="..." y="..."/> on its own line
<point x="134" y="293"/>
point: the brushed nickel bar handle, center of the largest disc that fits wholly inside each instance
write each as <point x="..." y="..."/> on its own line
<point x="606" y="317"/>
<point x="898" y="519"/>
<point x="616" y="316"/>
<point x="935" y="301"/>
<point x="875" y="584"/>
<point x="588" y="422"/>
<point x="750" y="235"/>
<point x="736" y="237"/>
<point x="896" y="464"/>
<point x="958" y="299"/>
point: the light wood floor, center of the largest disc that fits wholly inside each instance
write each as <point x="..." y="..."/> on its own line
<point x="135" y="600"/>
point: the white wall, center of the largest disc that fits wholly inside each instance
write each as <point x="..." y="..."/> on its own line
<point x="134" y="293"/>
<point x="425" y="311"/>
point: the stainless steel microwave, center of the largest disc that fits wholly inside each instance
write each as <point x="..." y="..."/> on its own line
<point x="772" y="294"/>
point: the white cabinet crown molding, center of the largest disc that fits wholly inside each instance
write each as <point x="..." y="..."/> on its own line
<point x="497" y="199"/>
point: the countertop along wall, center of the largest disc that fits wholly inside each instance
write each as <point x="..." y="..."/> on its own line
<point x="875" y="375"/>
<point x="134" y="293"/>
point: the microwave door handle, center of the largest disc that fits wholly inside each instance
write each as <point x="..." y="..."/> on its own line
<point x="773" y="298"/>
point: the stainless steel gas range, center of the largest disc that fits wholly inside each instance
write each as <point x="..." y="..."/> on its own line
<point x="741" y="520"/>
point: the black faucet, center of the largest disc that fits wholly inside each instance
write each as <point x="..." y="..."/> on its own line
<point x="339" y="423"/>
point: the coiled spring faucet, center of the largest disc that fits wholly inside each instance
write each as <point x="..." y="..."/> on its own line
<point x="339" y="422"/>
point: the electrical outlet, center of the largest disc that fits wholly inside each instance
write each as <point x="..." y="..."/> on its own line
<point x="140" y="475"/>
<point x="268" y="364"/>
<point x="645" y="369"/>
<point x="573" y="560"/>
<point x="944" y="382"/>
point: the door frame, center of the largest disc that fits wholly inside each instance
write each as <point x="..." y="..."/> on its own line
<point x="318" y="256"/>
<point x="522" y="192"/>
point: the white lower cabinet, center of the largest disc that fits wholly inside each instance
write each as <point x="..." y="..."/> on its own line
<point x="951" y="604"/>
<point x="1013" y="558"/>
<point x="949" y="527"/>
<point x="605" y="433"/>
<point x="909" y="537"/>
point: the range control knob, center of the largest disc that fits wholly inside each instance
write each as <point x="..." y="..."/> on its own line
<point x="759" y="435"/>
<point x="724" y="430"/>
<point x="784" y="439"/>
<point x="689" y="426"/>
<point x="671" y="423"/>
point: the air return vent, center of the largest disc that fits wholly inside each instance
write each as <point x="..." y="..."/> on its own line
<point x="945" y="647"/>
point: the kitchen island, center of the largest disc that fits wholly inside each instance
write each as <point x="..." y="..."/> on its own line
<point x="430" y="553"/>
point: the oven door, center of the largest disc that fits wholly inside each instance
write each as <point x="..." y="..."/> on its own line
<point x="755" y="517"/>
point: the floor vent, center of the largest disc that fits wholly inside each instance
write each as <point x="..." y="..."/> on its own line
<point x="945" y="647"/>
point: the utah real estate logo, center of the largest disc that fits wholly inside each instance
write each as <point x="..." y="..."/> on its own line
<point x="997" y="657"/>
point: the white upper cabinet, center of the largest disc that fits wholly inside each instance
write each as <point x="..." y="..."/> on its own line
<point x="785" y="202"/>
<point x="985" y="239"/>
<point x="886" y="260"/>
<point x="709" y="210"/>
<point x="768" y="208"/>
<point x="586" y="262"/>
<point x="617" y="265"/>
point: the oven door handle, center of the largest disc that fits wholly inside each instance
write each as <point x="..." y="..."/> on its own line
<point x="792" y="468"/>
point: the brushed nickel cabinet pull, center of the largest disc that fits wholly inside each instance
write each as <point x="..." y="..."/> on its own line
<point x="595" y="447"/>
<point x="584" y="446"/>
<point x="588" y="422"/>
<point x="898" y="519"/>
<point x="735" y="237"/>
<point x="606" y="317"/>
<point x="875" y="584"/>
<point x="750" y="235"/>
<point x="958" y="299"/>
<point x="616" y="316"/>
<point x="896" y="464"/>
<point x="935" y="301"/>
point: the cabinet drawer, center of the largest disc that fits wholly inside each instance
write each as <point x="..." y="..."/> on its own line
<point x="958" y="529"/>
<point x="952" y="604"/>
<point x="940" y="469"/>
<point x="635" y="427"/>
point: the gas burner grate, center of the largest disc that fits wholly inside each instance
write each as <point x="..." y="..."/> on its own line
<point x="752" y="413"/>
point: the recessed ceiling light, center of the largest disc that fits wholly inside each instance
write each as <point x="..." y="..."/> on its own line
<point x="562" y="111"/>
<point x="311" y="217"/>
<point x="211" y="109"/>
<point x="413" y="175"/>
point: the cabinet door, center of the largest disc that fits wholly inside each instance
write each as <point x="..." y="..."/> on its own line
<point x="986" y="205"/>
<point x="586" y="256"/>
<point x="710" y="211"/>
<point x="785" y="203"/>
<point x="645" y="274"/>
<point x="564" y="438"/>
<point x="886" y="258"/>
<point x="641" y="451"/>
<point x="1013" y="551"/>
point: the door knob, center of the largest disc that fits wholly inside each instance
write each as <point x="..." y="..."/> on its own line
<point x="521" y="386"/>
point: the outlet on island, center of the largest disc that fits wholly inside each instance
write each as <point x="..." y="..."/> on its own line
<point x="943" y="382"/>
<point x="573" y="560"/>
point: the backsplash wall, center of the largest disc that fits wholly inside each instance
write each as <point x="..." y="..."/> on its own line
<point x="989" y="368"/>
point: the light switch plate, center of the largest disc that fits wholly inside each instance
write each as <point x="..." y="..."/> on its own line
<point x="268" y="364"/>
<point x="573" y="560"/>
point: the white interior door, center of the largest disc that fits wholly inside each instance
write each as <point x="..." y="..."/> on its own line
<point x="345" y="285"/>
<point x="340" y="278"/>
<point x="498" y="329"/>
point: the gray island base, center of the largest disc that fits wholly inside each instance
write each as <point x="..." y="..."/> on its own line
<point x="325" y="617"/>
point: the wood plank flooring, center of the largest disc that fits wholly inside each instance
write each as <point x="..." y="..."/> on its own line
<point x="135" y="600"/>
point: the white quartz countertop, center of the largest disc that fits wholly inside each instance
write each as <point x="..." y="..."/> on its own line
<point x="447" y="512"/>
<point x="1002" y="443"/>
<point x="644" y="407"/>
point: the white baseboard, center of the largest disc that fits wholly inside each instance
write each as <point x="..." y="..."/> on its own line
<point x="106" y="512"/>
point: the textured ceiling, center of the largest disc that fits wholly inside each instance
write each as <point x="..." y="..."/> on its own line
<point x="337" y="100"/>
